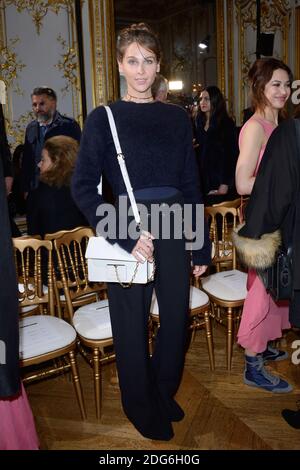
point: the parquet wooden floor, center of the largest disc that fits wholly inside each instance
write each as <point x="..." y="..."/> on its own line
<point x="221" y="412"/>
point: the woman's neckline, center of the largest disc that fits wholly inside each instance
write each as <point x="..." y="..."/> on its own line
<point x="134" y="102"/>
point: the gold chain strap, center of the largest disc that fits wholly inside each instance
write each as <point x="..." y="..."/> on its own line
<point x="129" y="284"/>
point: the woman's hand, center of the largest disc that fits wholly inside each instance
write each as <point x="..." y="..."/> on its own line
<point x="143" y="249"/>
<point x="199" y="270"/>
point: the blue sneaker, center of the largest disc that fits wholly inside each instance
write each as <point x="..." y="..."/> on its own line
<point x="273" y="354"/>
<point x="256" y="375"/>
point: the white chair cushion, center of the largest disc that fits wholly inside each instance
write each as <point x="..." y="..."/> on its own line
<point x="92" y="321"/>
<point x="198" y="298"/>
<point x="226" y="285"/>
<point x="41" y="334"/>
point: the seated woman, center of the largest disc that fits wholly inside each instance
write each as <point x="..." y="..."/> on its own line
<point x="50" y="206"/>
<point x="218" y="147"/>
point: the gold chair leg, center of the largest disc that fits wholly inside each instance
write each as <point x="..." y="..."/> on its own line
<point x="209" y="339"/>
<point x="229" y="337"/>
<point x="77" y="384"/>
<point x="97" y="381"/>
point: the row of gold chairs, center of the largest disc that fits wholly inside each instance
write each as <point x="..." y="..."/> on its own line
<point x="49" y="295"/>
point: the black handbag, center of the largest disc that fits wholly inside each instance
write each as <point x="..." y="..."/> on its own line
<point x="278" y="278"/>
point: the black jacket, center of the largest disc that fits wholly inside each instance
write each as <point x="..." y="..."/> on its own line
<point x="275" y="194"/>
<point x="51" y="209"/>
<point x="9" y="333"/>
<point x="61" y="125"/>
<point x="4" y="147"/>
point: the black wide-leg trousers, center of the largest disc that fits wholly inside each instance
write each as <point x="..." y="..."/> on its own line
<point x="148" y="385"/>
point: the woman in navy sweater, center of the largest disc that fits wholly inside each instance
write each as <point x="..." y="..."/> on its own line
<point x="156" y="139"/>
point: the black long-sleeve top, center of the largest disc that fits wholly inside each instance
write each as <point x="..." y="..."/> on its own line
<point x="156" y="139"/>
<point x="218" y="152"/>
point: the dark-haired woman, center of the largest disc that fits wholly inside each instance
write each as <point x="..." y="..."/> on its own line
<point x="156" y="139"/>
<point x="262" y="320"/>
<point x="218" y="146"/>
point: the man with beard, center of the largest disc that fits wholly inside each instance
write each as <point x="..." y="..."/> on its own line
<point x="48" y="122"/>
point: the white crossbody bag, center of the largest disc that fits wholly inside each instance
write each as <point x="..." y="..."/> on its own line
<point x="109" y="262"/>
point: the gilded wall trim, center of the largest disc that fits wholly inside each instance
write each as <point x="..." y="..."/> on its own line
<point x="221" y="45"/>
<point x="275" y="17"/>
<point x="11" y="65"/>
<point x="101" y="21"/>
<point x="230" y="20"/>
<point x="297" y="43"/>
<point x="38" y="9"/>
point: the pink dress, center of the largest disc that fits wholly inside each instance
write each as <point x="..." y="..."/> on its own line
<point x="17" y="429"/>
<point x="262" y="320"/>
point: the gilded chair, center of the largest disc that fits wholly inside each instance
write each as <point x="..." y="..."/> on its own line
<point x="199" y="313"/>
<point x="226" y="289"/>
<point x="91" y="321"/>
<point x="99" y="288"/>
<point x="43" y="336"/>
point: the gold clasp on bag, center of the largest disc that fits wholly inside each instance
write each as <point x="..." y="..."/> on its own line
<point x="129" y="284"/>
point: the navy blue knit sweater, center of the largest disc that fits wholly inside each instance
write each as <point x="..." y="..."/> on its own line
<point x="156" y="139"/>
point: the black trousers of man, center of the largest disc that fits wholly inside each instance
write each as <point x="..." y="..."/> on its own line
<point x="148" y="385"/>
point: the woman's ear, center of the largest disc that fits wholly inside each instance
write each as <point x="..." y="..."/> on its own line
<point x="158" y="67"/>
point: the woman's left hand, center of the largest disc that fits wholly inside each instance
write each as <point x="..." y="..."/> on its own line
<point x="198" y="270"/>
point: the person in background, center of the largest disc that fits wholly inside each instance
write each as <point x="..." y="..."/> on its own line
<point x="160" y="88"/>
<point x="156" y="139"/>
<point x="48" y="123"/>
<point x="262" y="319"/>
<point x="17" y="429"/>
<point x="51" y="207"/>
<point x="218" y="147"/>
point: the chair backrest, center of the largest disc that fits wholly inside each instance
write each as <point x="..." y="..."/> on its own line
<point x="33" y="260"/>
<point x="53" y="236"/>
<point x="222" y="220"/>
<point x="240" y="204"/>
<point x="234" y="203"/>
<point x="70" y="250"/>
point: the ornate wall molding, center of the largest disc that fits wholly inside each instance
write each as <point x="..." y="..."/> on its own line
<point x="57" y="67"/>
<point x="10" y="65"/>
<point x="103" y="59"/>
<point x="38" y="9"/>
<point x="297" y="43"/>
<point x="220" y="5"/>
<point x="68" y="65"/>
<point x="273" y="13"/>
<point x="275" y="18"/>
